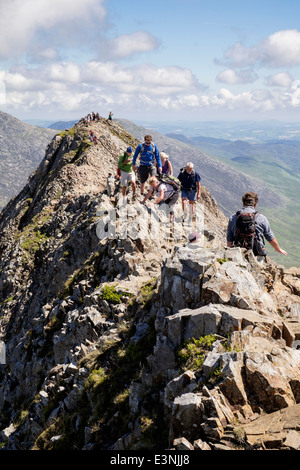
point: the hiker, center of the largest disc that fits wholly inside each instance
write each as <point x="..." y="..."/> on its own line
<point x="110" y="116"/>
<point x="190" y="187"/>
<point x="149" y="157"/>
<point x="261" y="229"/>
<point x="167" y="194"/>
<point x="93" y="137"/>
<point x="127" y="173"/>
<point x="166" y="165"/>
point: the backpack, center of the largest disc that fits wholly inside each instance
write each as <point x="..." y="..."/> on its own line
<point x="152" y="147"/>
<point x="246" y="234"/>
<point x="169" y="179"/>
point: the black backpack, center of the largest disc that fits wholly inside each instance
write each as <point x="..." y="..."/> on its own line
<point x="246" y="236"/>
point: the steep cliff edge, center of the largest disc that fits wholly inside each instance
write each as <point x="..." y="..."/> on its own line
<point x="136" y="341"/>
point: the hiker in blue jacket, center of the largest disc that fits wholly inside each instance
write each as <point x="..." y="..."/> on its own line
<point x="149" y="159"/>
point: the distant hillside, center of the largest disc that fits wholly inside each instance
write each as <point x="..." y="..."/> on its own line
<point x="63" y="124"/>
<point x="22" y="148"/>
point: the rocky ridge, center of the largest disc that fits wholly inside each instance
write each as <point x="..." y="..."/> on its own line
<point x="137" y="342"/>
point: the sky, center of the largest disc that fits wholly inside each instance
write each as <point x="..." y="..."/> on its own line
<point x="150" y="60"/>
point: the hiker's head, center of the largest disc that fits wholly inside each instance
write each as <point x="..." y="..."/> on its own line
<point x="148" y="139"/>
<point x="153" y="181"/>
<point x="163" y="156"/>
<point x="129" y="150"/>
<point x="250" y="199"/>
<point x="189" y="167"/>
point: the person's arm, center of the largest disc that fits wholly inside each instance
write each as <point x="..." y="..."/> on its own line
<point x="158" y="160"/>
<point x="170" y="168"/>
<point x="230" y="234"/>
<point x="147" y="195"/>
<point x="274" y="243"/>
<point x="127" y="159"/>
<point x="198" y="190"/>
<point x="160" y="197"/>
<point x="136" y="154"/>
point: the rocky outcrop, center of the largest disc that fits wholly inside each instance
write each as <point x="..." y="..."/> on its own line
<point x="121" y="335"/>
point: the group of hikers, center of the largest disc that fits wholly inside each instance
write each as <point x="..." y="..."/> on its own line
<point x="94" y="117"/>
<point x="246" y="228"/>
<point x="156" y="167"/>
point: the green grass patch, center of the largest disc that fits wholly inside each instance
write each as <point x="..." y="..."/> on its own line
<point x="192" y="355"/>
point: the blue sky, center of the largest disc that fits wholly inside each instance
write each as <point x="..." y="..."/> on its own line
<point x="150" y="60"/>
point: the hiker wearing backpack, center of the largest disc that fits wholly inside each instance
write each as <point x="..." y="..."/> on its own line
<point x="167" y="193"/>
<point x="127" y="174"/>
<point x="247" y="228"/>
<point x="190" y="187"/>
<point x="149" y="158"/>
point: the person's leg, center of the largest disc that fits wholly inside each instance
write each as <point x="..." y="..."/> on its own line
<point x="143" y="176"/>
<point x="192" y="199"/>
<point x="124" y="177"/>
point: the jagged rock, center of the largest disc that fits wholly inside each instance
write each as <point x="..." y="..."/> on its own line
<point x="187" y="416"/>
<point x="214" y="319"/>
<point x="185" y="383"/>
<point x="182" y="277"/>
<point x="231" y="283"/>
<point x="162" y="359"/>
<point x="271" y="430"/>
<point x="201" y="445"/>
<point x="212" y="428"/>
<point x="292" y="440"/>
<point x="182" y="443"/>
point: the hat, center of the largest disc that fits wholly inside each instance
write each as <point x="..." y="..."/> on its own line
<point x="129" y="150"/>
<point x="194" y="237"/>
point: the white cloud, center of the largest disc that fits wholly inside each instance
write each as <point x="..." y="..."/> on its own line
<point x="232" y="77"/>
<point x="21" y="20"/>
<point x="65" y="87"/>
<point x="127" y="45"/>
<point x="139" y="79"/>
<point x="240" y="56"/>
<point x="100" y="82"/>
<point x="282" y="49"/>
<point x="279" y="49"/>
<point x="281" y="79"/>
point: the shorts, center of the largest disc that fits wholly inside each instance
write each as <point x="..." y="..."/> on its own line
<point x="189" y="194"/>
<point x="172" y="201"/>
<point x="145" y="171"/>
<point x="127" y="178"/>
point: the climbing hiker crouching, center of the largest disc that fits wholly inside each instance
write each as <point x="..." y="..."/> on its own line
<point x="166" y="194"/>
<point x="248" y="228"/>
